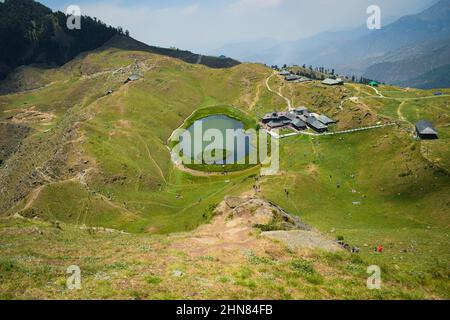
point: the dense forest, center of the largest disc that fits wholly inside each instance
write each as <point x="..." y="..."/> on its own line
<point x="32" y="33"/>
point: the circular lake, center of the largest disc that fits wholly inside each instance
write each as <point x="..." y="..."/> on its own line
<point x="214" y="149"/>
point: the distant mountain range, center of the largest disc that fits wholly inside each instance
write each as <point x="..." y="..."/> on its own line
<point x="411" y="51"/>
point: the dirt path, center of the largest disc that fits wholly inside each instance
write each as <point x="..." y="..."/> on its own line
<point x="331" y="133"/>
<point x="117" y="206"/>
<point x="179" y="165"/>
<point x="123" y="89"/>
<point x="225" y="239"/>
<point x="151" y="158"/>
<point x="353" y="99"/>
<point x="278" y="93"/>
<point x="420" y="98"/>
<point x="380" y="95"/>
<point x="44" y="176"/>
<point x="377" y="92"/>
<point x="256" y="98"/>
<point x="34" y="195"/>
<point x="399" y="112"/>
<point x="231" y="233"/>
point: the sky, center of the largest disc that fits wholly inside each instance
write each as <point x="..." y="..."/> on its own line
<point x="205" y="25"/>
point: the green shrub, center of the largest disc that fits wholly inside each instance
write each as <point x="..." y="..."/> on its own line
<point x="314" y="278"/>
<point x="254" y="259"/>
<point x="302" y="266"/>
<point x="152" y="279"/>
<point x="306" y="270"/>
<point x="7" y="265"/>
<point x="209" y="212"/>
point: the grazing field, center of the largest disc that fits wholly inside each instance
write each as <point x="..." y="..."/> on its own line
<point x="36" y="255"/>
<point x="95" y="160"/>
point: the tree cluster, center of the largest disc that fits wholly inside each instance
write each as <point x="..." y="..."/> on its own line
<point x="32" y="33"/>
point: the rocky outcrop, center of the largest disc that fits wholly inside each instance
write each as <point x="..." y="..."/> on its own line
<point x="276" y="223"/>
<point x="277" y="218"/>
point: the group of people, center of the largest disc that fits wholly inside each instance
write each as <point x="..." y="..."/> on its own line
<point x="346" y="246"/>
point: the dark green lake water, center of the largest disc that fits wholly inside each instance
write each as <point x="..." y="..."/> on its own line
<point x="218" y="123"/>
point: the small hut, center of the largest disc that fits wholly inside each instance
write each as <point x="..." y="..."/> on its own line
<point x="425" y="130"/>
<point x="333" y="82"/>
<point x="133" y="77"/>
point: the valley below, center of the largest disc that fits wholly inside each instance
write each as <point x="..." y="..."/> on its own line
<point x="86" y="179"/>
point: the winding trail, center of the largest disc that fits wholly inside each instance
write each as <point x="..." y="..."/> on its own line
<point x="34" y="195"/>
<point x="341" y="106"/>
<point x="399" y="112"/>
<point x="377" y="92"/>
<point x="277" y="136"/>
<point x="278" y="93"/>
<point x="256" y="98"/>
<point x="177" y="162"/>
<point x="151" y="158"/>
<point x="380" y="95"/>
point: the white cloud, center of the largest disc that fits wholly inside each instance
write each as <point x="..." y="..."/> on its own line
<point x="190" y="9"/>
<point x="242" y="5"/>
<point x="202" y="26"/>
<point x="163" y="26"/>
<point x="174" y="10"/>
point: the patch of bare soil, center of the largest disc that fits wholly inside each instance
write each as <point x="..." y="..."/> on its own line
<point x="234" y="231"/>
<point x="125" y="124"/>
<point x="301" y="239"/>
<point x="11" y="136"/>
<point x="31" y="115"/>
<point x="312" y="169"/>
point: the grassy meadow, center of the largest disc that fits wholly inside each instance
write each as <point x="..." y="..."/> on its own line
<point x="104" y="161"/>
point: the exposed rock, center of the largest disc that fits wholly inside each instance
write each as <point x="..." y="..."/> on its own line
<point x="301" y="239"/>
<point x="267" y="215"/>
<point x="31" y="115"/>
<point x="11" y="135"/>
<point x="17" y="216"/>
<point x="177" y="273"/>
<point x="101" y="229"/>
<point x="233" y="202"/>
<point x="234" y="230"/>
<point x="276" y="223"/>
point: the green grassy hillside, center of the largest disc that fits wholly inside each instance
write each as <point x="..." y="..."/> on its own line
<point x="103" y="161"/>
<point x="36" y="254"/>
<point x="118" y="142"/>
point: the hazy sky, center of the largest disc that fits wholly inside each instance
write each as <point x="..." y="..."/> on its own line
<point x="204" y="25"/>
